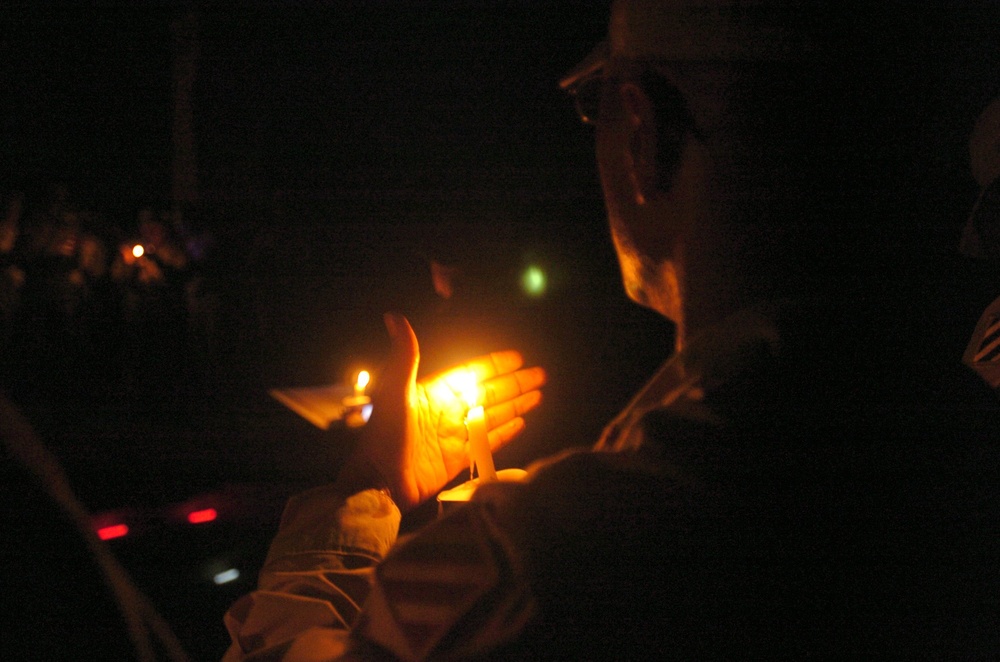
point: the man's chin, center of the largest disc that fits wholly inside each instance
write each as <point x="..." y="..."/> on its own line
<point x="653" y="286"/>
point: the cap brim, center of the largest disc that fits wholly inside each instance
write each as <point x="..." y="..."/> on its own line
<point x="589" y="66"/>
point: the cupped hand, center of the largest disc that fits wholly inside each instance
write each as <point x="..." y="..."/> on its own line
<point x="416" y="441"/>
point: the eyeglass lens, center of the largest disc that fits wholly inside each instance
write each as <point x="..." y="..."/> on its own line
<point x="587" y="98"/>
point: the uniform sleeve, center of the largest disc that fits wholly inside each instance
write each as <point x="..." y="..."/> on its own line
<point x="455" y="590"/>
<point x="317" y="574"/>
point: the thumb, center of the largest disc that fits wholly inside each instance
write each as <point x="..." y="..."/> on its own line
<point x="401" y="370"/>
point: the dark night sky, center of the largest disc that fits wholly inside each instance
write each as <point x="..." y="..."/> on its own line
<point x="336" y="95"/>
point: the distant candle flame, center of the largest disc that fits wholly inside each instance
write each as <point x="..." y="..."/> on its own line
<point x="363" y="378"/>
<point x="138" y="250"/>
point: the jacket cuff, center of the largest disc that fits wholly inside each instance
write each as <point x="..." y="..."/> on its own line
<point x="324" y="520"/>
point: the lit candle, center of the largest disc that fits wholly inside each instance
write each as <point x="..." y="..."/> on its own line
<point x="360" y="383"/>
<point x="475" y="424"/>
<point x="357" y="408"/>
<point x="463" y="384"/>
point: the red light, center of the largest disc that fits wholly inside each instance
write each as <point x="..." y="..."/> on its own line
<point x="202" y="516"/>
<point x="113" y="531"/>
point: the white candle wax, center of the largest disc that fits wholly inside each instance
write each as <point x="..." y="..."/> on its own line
<point x="479" y="445"/>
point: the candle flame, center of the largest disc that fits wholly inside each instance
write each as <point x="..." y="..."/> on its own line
<point x="463" y="382"/>
<point x="138" y="250"/>
<point x="363" y="378"/>
<point x="455" y="389"/>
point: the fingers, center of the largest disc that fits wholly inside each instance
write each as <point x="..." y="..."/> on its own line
<point x="498" y="437"/>
<point x="509" y="386"/>
<point x="404" y="357"/>
<point x="404" y="340"/>
<point x="499" y="375"/>
<point x="499" y="415"/>
<point x="488" y="366"/>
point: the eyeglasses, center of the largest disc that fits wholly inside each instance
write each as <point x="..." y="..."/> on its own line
<point x="587" y="98"/>
<point x="671" y="108"/>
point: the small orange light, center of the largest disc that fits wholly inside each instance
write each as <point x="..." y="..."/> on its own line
<point x="113" y="531"/>
<point x="363" y="378"/>
<point x="202" y="516"/>
<point x="138" y="250"/>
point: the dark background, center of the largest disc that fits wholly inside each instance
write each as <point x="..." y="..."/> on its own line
<point x="341" y="147"/>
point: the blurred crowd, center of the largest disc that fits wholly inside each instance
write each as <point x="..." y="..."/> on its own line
<point x="100" y="311"/>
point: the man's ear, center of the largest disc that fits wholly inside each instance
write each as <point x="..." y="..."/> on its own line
<point x="641" y="122"/>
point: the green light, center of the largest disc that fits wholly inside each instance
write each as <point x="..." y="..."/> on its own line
<point x="533" y="281"/>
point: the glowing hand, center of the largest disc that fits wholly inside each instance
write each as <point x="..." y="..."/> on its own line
<point x="416" y="441"/>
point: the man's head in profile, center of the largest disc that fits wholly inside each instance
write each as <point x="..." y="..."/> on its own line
<point x="705" y="117"/>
